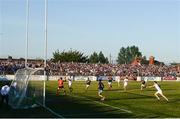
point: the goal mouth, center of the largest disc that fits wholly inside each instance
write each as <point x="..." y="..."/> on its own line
<point x="26" y="90"/>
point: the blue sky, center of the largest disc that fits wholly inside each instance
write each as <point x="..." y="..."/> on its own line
<point x="92" y="25"/>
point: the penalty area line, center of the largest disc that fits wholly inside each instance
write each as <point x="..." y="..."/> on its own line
<point x="114" y="107"/>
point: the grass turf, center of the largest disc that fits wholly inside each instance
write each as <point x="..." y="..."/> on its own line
<point x="117" y="103"/>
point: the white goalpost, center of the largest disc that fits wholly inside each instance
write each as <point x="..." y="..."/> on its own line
<point x="27" y="87"/>
<point x="45" y="52"/>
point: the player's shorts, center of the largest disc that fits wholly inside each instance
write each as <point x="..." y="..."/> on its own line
<point x="60" y="87"/>
<point x="70" y="84"/>
<point x="109" y="83"/>
<point x="143" y="85"/>
<point x="87" y="85"/>
<point x="125" y="84"/>
<point x="100" y="91"/>
<point x="159" y="92"/>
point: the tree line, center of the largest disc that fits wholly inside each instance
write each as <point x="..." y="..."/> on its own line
<point x="125" y="56"/>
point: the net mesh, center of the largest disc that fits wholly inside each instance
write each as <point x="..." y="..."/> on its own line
<point x="26" y="90"/>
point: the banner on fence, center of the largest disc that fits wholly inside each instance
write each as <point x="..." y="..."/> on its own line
<point x="3" y="78"/>
<point x="84" y="78"/>
<point x="170" y="78"/>
<point x="117" y="78"/>
<point x="138" y="78"/>
<point x="151" y="78"/>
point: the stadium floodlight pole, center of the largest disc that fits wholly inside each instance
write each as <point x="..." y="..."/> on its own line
<point x="27" y="32"/>
<point x="45" y="53"/>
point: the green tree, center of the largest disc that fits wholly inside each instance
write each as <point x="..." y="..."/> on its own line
<point x="56" y="56"/>
<point x="94" y="58"/>
<point x="102" y="59"/>
<point x="69" y="56"/>
<point x="98" y="58"/>
<point x="122" y="58"/>
<point x="127" y="55"/>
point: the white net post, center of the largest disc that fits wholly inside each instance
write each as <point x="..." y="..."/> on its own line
<point x="45" y="55"/>
<point x="26" y="89"/>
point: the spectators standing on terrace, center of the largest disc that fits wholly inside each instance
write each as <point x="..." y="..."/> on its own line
<point x="85" y="69"/>
<point x="11" y="66"/>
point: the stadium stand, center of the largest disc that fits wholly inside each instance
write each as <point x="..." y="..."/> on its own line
<point x="84" y="69"/>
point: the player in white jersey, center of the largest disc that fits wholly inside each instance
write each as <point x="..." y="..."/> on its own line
<point x="118" y="81"/>
<point x="125" y="83"/>
<point x="159" y="91"/>
<point x="70" y="79"/>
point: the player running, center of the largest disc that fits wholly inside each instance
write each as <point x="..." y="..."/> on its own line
<point x="110" y="79"/>
<point x="70" y="79"/>
<point x="159" y="91"/>
<point x="143" y="85"/>
<point x="125" y="83"/>
<point x="88" y="83"/>
<point x="101" y="87"/>
<point x="60" y="86"/>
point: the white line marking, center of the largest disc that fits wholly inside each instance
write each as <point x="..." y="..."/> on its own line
<point x="50" y="110"/>
<point x="103" y="104"/>
<point x="114" y="107"/>
<point x="58" y="115"/>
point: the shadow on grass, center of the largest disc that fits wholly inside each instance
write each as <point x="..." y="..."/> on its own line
<point x="73" y="107"/>
<point x="7" y="112"/>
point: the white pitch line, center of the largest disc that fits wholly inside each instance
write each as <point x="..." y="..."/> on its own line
<point x="58" y="115"/>
<point x="114" y="107"/>
<point x="50" y="110"/>
<point x="103" y="104"/>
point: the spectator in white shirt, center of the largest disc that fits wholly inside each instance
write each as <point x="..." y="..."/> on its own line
<point x="5" y="93"/>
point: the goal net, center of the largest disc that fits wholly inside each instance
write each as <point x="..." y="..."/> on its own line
<point x="26" y="90"/>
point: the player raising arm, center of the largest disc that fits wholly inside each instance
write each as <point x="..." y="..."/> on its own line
<point x="159" y="91"/>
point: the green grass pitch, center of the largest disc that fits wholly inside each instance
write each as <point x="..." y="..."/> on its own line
<point x="133" y="103"/>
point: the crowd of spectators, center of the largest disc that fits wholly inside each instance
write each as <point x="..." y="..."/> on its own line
<point x="113" y="69"/>
<point x="84" y="69"/>
<point x="10" y="67"/>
